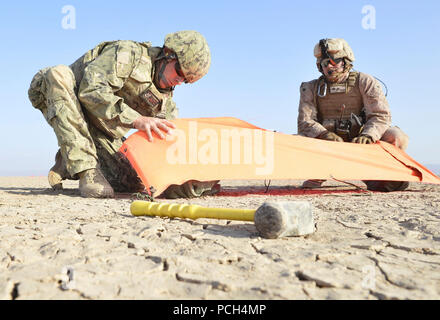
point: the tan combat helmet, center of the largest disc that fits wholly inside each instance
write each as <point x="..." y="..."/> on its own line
<point x="334" y="48"/>
<point x="192" y="52"/>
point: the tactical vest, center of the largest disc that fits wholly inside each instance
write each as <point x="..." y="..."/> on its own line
<point x="337" y="101"/>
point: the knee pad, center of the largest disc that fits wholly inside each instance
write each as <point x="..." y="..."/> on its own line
<point x="397" y="137"/>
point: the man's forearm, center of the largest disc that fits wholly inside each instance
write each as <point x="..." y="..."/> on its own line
<point x="310" y="128"/>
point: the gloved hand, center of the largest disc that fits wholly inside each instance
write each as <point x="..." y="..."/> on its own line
<point x="363" y="139"/>
<point x="331" y="136"/>
<point x="192" y="189"/>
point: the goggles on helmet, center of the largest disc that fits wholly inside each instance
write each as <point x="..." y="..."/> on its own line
<point x="167" y="57"/>
<point x="179" y="70"/>
<point x="325" y="62"/>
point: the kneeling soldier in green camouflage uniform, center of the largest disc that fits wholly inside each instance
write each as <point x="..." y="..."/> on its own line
<point x="344" y="105"/>
<point x="114" y="87"/>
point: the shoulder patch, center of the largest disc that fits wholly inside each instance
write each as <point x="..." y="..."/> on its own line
<point x="150" y="98"/>
<point x="303" y="86"/>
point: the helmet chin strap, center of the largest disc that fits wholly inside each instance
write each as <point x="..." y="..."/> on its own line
<point x="161" y="62"/>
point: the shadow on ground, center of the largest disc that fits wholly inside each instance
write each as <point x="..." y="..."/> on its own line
<point x="241" y="191"/>
<point x="25" y="191"/>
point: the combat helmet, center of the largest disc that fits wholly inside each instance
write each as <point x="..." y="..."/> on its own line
<point x="192" y="52"/>
<point x="335" y="48"/>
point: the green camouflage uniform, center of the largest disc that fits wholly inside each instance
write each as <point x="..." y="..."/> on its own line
<point x="92" y="104"/>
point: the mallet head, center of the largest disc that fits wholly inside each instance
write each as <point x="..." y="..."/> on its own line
<point x="275" y="219"/>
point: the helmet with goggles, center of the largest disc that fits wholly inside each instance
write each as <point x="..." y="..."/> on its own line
<point x="333" y="51"/>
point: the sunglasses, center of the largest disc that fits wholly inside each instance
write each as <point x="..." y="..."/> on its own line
<point x="179" y="70"/>
<point x="334" y="62"/>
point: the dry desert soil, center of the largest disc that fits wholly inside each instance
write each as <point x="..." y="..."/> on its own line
<point x="58" y="245"/>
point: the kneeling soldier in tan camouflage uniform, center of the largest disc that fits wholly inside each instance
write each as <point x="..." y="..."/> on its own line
<point x="114" y="87"/>
<point x="344" y="105"/>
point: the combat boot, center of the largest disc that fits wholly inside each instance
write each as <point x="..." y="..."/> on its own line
<point x="58" y="172"/>
<point x="92" y="184"/>
<point x="386" y="186"/>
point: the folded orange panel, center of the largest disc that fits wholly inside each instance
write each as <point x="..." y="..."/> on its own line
<point x="229" y="148"/>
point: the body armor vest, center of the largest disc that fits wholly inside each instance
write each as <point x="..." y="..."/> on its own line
<point x="336" y="102"/>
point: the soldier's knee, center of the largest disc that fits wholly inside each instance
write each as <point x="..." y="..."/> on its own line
<point x="397" y="137"/>
<point x="60" y="74"/>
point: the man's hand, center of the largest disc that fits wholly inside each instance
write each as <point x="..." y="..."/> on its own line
<point x="150" y="124"/>
<point x="331" y="136"/>
<point x="363" y="139"/>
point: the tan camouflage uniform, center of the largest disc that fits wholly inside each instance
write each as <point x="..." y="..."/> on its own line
<point x="316" y="115"/>
<point x="346" y="106"/>
<point x="325" y="104"/>
<point x="92" y="103"/>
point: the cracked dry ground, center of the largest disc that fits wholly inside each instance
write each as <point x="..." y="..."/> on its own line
<point x="366" y="246"/>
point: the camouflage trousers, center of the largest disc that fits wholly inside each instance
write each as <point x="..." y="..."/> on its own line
<point x="82" y="145"/>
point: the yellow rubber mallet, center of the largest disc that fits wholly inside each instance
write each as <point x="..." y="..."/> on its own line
<point x="272" y="219"/>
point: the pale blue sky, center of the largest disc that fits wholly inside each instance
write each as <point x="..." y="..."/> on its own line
<point x="261" y="52"/>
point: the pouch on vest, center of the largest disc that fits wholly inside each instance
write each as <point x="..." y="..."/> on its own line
<point x="348" y="129"/>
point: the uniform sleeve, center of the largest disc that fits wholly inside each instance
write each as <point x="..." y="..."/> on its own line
<point x="172" y="110"/>
<point x="377" y="111"/>
<point x="169" y="109"/>
<point x="106" y="75"/>
<point x="308" y="124"/>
